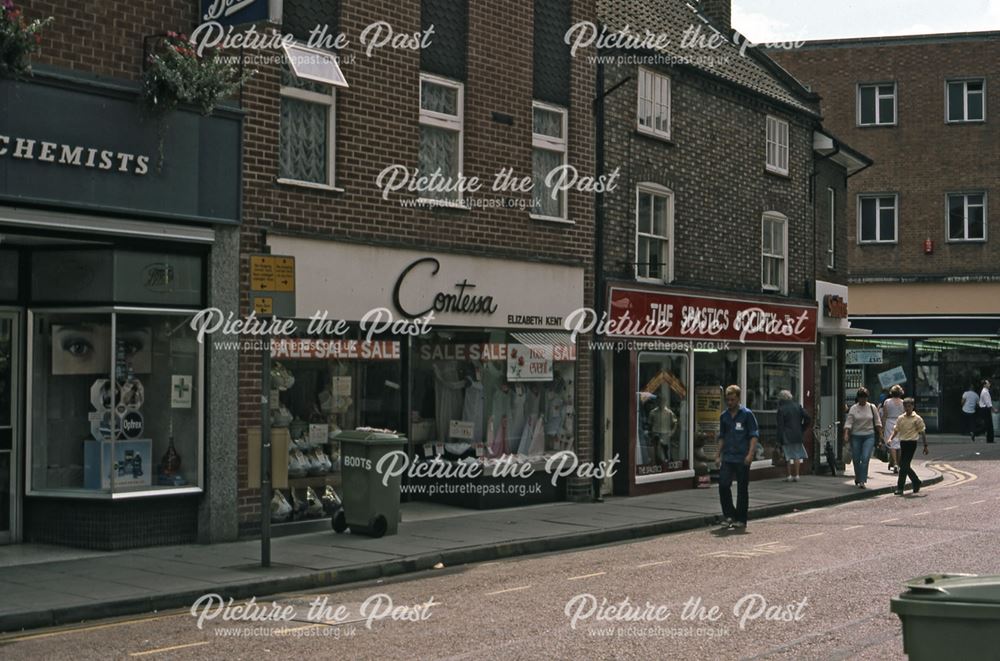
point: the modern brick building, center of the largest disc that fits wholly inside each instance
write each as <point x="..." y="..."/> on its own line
<point x="720" y="229"/>
<point x="922" y="247"/>
<point x="115" y="423"/>
<point x="493" y="90"/>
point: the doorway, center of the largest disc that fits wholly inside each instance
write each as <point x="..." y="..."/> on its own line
<point x="9" y="424"/>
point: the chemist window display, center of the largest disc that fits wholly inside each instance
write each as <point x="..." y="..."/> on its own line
<point x="115" y="402"/>
<point x="661" y="440"/>
<point x="479" y="396"/>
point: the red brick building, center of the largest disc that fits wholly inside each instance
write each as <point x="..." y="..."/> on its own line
<point x="493" y="90"/>
<point x="923" y="252"/>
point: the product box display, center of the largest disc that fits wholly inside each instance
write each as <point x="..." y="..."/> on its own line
<point x="132" y="464"/>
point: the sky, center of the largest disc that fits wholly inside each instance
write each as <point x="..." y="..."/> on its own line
<point x="789" y="20"/>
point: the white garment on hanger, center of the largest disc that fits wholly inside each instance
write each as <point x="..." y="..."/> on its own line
<point x="517" y="413"/>
<point x="472" y="410"/>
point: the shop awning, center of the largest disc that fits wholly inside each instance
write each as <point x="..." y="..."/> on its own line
<point x="543" y="339"/>
<point x="948" y="326"/>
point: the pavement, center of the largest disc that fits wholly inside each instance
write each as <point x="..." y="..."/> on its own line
<point x="45" y="586"/>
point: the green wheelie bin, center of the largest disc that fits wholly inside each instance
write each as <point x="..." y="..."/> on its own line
<point x="950" y="616"/>
<point x="370" y="507"/>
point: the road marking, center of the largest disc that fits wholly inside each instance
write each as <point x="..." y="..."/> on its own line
<point x="170" y="649"/>
<point x="888" y="520"/>
<point x="852" y="527"/>
<point x="953" y="507"/>
<point x="963" y="477"/>
<point x="921" y="514"/>
<point x="95" y="627"/>
<point x="652" y="564"/>
<point x="815" y="534"/>
<point x="523" y="587"/>
<point x="976" y="502"/>
<point x="578" y="578"/>
<point x="768" y="548"/>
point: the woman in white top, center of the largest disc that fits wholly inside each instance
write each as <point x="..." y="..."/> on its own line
<point x="891" y="409"/>
<point x="862" y="427"/>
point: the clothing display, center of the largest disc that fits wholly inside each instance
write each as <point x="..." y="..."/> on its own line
<point x="472" y="408"/>
<point x="449" y="397"/>
<point x="515" y="427"/>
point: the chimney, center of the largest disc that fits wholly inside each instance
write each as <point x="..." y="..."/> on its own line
<point x="720" y="12"/>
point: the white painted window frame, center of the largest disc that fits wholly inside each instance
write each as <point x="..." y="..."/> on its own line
<point x="330" y="102"/>
<point x="965" y="210"/>
<point x="649" y="188"/>
<point x="777" y="129"/>
<point x="878" y="212"/>
<point x="878" y="97"/>
<point x="831" y="247"/>
<point x="965" y="100"/>
<point x="659" y="83"/>
<point x="774" y="217"/>
<point x="455" y="123"/>
<point x="550" y="143"/>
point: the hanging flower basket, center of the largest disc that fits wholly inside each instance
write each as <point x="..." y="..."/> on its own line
<point x="19" y="38"/>
<point x="175" y="73"/>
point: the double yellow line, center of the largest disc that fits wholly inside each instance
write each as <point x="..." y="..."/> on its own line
<point x="962" y="477"/>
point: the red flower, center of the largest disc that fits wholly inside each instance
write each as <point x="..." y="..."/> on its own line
<point x="520" y="361"/>
<point x="513" y="353"/>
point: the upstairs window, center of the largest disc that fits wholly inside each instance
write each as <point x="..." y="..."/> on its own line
<point x="966" y="216"/>
<point x="441" y="135"/>
<point x="966" y="100"/>
<point x="777" y="145"/>
<point x="877" y="218"/>
<point x="654" y="103"/>
<point x="774" y="252"/>
<point x="306" y="141"/>
<point x="877" y="104"/>
<point x="831" y="246"/>
<point x="654" y="228"/>
<point x="548" y="152"/>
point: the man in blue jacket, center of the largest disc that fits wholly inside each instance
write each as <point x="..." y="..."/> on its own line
<point x="738" y="437"/>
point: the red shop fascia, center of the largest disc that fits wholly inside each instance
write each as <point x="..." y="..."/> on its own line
<point x="669" y="356"/>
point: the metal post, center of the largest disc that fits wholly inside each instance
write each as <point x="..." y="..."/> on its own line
<point x="265" y="455"/>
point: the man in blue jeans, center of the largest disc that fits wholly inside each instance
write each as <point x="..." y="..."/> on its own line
<point x="738" y="436"/>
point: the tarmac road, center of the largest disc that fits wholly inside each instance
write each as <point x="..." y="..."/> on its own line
<point x="809" y="585"/>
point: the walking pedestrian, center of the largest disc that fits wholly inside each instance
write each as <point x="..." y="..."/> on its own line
<point x="986" y="409"/>
<point x="970" y="402"/>
<point x="792" y="421"/>
<point x="909" y="428"/>
<point x="862" y="427"/>
<point x="738" y="438"/>
<point x="892" y="408"/>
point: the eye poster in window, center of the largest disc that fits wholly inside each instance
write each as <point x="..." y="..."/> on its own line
<point x="83" y="348"/>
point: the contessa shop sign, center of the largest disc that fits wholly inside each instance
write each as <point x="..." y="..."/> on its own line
<point x="646" y="314"/>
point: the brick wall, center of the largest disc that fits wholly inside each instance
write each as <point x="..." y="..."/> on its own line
<point x="105" y="38"/>
<point x="377" y="125"/>
<point x="922" y="157"/>
<point x="715" y="167"/>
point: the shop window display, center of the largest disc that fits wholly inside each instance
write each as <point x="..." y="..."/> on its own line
<point x="768" y="373"/>
<point x="713" y="372"/>
<point x="482" y="396"/>
<point x="321" y="388"/>
<point x="662" y="436"/>
<point x="115" y="403"/>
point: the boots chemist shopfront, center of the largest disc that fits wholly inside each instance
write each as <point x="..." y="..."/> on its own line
<point x="106" y="251"/>
<point x="674" y="355"/>
<point x="472" y="362"/>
